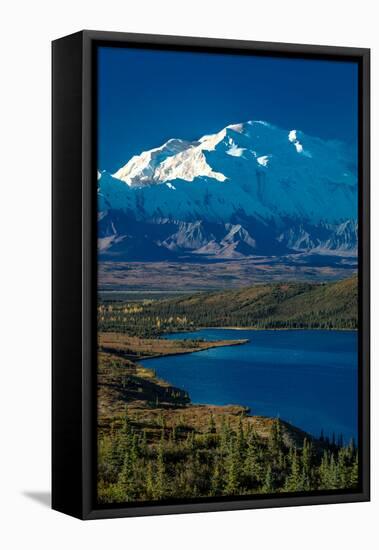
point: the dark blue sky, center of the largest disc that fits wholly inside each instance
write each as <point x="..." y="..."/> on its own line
<point x="149" y="96"/>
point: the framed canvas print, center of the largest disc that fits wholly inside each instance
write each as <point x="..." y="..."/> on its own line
<point x="210" y="274"/>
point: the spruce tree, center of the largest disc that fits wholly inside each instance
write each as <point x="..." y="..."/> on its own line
<point x="150" y="486"/>
<point x="224" y="437"/>
<point x="341" y="466"/>
<point x="232" y="477"/>
<point x="191" y="442"/>
<point x="306" y="464"/>
<point x="333" y="473"/>
<point x="354" y="476"/>
<point x="126" y="477"/>
<point x="134" y="450"/>
<point x="216" y="481"/>
<point x="276" y="436"/>
<point x="324" y="472"/>
<point x="211" y="424"/>
<point x="293" y="481"/>
<point x="268" y="486"/>
<point x="160" y="482"/>
<point x="240" y="440"/>
<point x="143" y="445"/>
<point x="250" y="466"/>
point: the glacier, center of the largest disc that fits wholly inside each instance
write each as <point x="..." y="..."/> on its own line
<point x="251" y="188"/>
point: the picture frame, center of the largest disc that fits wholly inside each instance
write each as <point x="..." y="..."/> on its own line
<point x="75" y="272"/>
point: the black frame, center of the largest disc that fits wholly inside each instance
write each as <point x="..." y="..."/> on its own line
<point x="74" y="271"/>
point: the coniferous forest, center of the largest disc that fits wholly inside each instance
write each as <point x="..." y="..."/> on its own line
<point x="222" y="460"/>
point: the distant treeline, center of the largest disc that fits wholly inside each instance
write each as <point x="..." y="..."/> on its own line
<point x="219" y="461"/>
<point x="278" y="306"/>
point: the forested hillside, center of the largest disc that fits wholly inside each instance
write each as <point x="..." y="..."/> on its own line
<point x="277" y="305"/>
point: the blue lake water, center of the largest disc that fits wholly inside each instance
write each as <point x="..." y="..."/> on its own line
<point x="307" y="377"/>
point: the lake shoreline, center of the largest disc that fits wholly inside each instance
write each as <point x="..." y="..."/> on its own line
<point x="262" y="403"/>
<point x="197" y="329"/>
<point x="212" y="345"/>
<point x="276" y="329"/>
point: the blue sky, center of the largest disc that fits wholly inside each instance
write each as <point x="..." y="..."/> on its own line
<point x="149" y="96"/>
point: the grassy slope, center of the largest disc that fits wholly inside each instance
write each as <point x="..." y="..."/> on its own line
<point x="121" y="382"/>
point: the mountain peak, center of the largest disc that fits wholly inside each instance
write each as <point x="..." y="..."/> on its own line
<point x="250" y="189"/>
<point x="252" y="167"/>
<point x="153" y="166"/>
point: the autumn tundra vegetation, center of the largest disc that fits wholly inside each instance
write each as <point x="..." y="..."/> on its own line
<point x="154" y="444"/>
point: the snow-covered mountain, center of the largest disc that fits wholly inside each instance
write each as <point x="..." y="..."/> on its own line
<point x="251" y="188"/>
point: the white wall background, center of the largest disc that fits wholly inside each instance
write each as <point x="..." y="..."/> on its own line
<point x="27" y="29"/>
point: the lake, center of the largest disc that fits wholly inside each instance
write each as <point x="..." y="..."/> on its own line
<point x="306" y="377"/>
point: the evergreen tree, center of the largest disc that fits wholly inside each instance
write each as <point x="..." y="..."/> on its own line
<point x="172" y="436"/>
<point x="211" y="424"/>
<point x="240" y="440"/>
<point x="333" y="473"/>
<point x="343" y="467"/>
<point x="306" y="465"/>
<point x="276" y="437"/>
<point x="160" y="482"/>
<point x="268" y="486"/>
<point x="293" y="481"/>
<point x="126" y="477"/>
<point x="217" y="480"/>
<point x="324" y="472"/>
<point x="354" y="476"/>
<point x="150" y="486"/>
<point x="232" y="477"/>
<point x="251" y="467"/>
<point x="134" y="450"/>
<point x="191" y="441"/>
<point x="224" y="437"/>
<point x="143" y="445"/>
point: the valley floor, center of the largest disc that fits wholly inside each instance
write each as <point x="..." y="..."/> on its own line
<point x="189" y="275"/>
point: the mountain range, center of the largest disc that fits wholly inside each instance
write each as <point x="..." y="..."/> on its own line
<point x="251" y="189"/>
